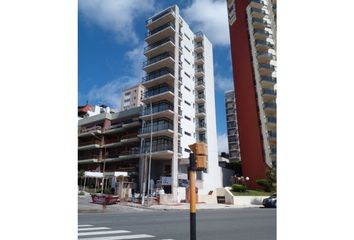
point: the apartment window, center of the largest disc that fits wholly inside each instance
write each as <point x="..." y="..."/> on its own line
<point x="187" y="74"/>
<point x="187" y="49"/>
<point x="187" y="133"/>
<point x="127" y="100"/>
<point x="187" y="150"/>
<point x="187" y="61"/>
<point x="187" y="36"/>
<point x="188" y="118"/>
<point x="187" y="89"/>
<point x="187" y="103"/>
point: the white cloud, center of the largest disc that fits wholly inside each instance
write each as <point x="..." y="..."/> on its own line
<point x="136" y="57"/>
<point x="223" y="143"/>
<point x="116" y="15"/>
<point x="110" y="93"/>
<point x="224" y="84"/>
<point x="209" y="16"/>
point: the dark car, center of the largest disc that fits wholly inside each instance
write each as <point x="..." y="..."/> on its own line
<point x="270" y="202"/>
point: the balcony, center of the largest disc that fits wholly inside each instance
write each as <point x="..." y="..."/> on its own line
<point x="164" y="75"/>
<point x="200" y="112"/>
<point x="163" y="60"/>
<point x="270" y="107"/>
<point x="268" y="94"/>
<point x="161" y="110"/>
<point x="198" y="37"/>
<point x="200" y="98"/>
<point x="125" y="140"/>
<point x="268" y="82"/>
<point x="200" y="84"/>
<point x="198" y="47"/>
<point x="163" y="150"/>
<point x="271" y="121"/>
<point x="90" y="144"/>
<point x="199" y="72"/>
<point x="84" y="132"/>
<point x="161" y="32"/>
<point x="159" y="94"/>
<point x="263" y="45"/>
<point x="201" y="126"/>
<point x="88" y="158"/>
<point x="265" y="57"/>
<point x="272" y="136"/>
<point x="156" y="48"/>
<point x="266" y="69"/>
<point x="199" y="59"/>
<point x="273" y="151"/>
<point x="258" y="3"/>
<point x="260" y="22"/>
<point x="160" y="129"/>
<point x="262" y="34"/>
<point x="164" y="17"/>
<point x="259" y="13"/>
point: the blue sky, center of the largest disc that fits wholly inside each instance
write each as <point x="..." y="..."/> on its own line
<point x="111" y="41"/>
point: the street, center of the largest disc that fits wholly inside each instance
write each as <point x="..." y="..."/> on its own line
<point x="221" y="224"/>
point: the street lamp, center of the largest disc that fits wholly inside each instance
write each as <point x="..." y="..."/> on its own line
<point x="104" y="159"/>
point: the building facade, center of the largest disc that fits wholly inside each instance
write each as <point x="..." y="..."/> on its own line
<point x="131" y="97"/>
<point x="231" y="124"/>
<point x="179" y="100"/>
<point x="252" y="27"/>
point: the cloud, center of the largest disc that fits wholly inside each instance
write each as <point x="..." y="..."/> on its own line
<point x="111" y="92"/>
<point x="223" y="143"/>
<point x="209" y="16"/>
<point x="136" y="58"/>
<point x="224" y="84"/>
<point x="116" y="16"/>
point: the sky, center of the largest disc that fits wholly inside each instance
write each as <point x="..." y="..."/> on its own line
<point x="111" y="42"/>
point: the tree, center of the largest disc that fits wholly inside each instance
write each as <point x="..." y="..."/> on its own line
<point x="272" y="178"/>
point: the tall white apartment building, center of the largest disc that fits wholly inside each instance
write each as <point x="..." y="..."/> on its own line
<point x="179" y="101"/>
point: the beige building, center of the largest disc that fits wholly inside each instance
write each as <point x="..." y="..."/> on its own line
<point x="132" y="97"/>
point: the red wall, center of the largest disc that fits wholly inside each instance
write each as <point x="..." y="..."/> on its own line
<point x="251" y="146"/>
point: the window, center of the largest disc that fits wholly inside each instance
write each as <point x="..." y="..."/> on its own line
<point x="187" y="133"/>
<point x="187" y="150"/>
<point x="187" y="61"/>
<point x="187" y="89"/>
<point x="187" y="74"/>
<point x="187" y="49"/>
<point x="187" y="103"/>
<point x="187" y="37"/>
<point x="188" y="118"/>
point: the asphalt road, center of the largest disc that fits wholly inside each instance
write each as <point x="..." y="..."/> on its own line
<point x="228" y="224"/>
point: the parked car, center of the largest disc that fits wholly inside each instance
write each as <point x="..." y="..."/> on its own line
<point x="270" y="202"/>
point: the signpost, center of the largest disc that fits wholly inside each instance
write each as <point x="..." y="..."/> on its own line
<point x="197" y="162"/>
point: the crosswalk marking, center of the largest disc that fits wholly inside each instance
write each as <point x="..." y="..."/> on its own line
<point x="102" y="232"/>
<point x="136" y="236"/>
<point x="85" y="225"/>
<point x="93" y="228"/>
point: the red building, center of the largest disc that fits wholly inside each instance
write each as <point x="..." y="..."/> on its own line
<point x="253" y="76"/>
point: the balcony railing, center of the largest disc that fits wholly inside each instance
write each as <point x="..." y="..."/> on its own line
<point x="198" y="57"/>
<point x="269" y="105"/>
<point x="160" y="15"/>
<point x="259" y="11"/>
<point x="262" y="32"/>
<point x="158" y="43"/>
<point x="199" y="44"/>
<point x="199" y="70"/>
<point x="272" y="119"/>
<point x="89" y="156"/>
<point x="260" y="2"/>
<point x="262" y="42"/>
<point x="157" y="127"/>
<point x="157" y="108"/>
<point x="164" y="146"/>
<point x="272" y="134"/>
<point x="268" y="66"/>
<point x="257" y="20"/>
<point x="90" y="129"/>
<point x="268" y="91"/>
<point x="201" y="110"/>
<point x="200" y="83"/>
<point x="273" y="151"/>
<point x="201" y="125"/>
<point x="158" y="29"/>
<point x="156" y="91"/>
<point x="268" y="79"/>
<point x="157" y="74"/>
<point x="200" y="96"/>
<point x="89" y="143"/>
<point x="158" y="58"/>
<point x="266" y="54"/>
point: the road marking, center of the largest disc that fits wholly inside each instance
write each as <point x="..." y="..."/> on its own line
<point x="102" y="232"/>
<point x="120" y="237"/>
<point x="93" y="229"/>
<point x="85" y="225"/>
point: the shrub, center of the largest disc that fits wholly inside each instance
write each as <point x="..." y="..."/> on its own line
<point x="267" y="187"/>
<point x="238" y="188"/>
<point x="81" y="193"/>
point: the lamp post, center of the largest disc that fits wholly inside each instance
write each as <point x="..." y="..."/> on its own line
<point x="149" y="171"/>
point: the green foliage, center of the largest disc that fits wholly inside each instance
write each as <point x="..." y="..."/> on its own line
<point x="272" y="178"/>
<point x="236" y="166"/>
<point x="238" y="188"/>
<point x="265" y="184"/>
<point x="81" y="193"/>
